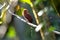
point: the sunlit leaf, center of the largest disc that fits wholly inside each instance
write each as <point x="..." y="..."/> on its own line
<point x="26" y="1"/>
<point x="1" y="21"/>
<point x="51" y="29"/>
<point x="2" y="17"/>
<point x="11" y="32"/>
<point x="19" y="12"/>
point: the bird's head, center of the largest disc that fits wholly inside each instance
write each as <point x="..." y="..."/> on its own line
<point x="25" y="11"/>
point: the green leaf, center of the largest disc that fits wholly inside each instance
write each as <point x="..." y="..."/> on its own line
<point x="26" y="1"/>
<point x="51" y="29"/>
<point x="19" y="12"/>
<point x="11" y="32"/>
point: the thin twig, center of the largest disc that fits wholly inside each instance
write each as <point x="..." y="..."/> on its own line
<point x="22" y="19"/>
<point x="37" y="27"/>
<point x="37" y="21"/>
<point x="4" y="9"/>
<point x="54" y="7"/>
<point x="57" y="32"/>
<point x="2" y="6"/>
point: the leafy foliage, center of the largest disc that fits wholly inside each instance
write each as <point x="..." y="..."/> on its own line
<point x="11" y="32"/>
<point x="26" y="31"/>
<point x="19" y="12"/>
<point x="26" y="1"/>
<point x="51" y="29"/>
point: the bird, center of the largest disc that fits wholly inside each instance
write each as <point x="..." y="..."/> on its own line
<point x="27" y="16"/>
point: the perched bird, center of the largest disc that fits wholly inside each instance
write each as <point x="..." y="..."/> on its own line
<point x="27" y="16"/>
